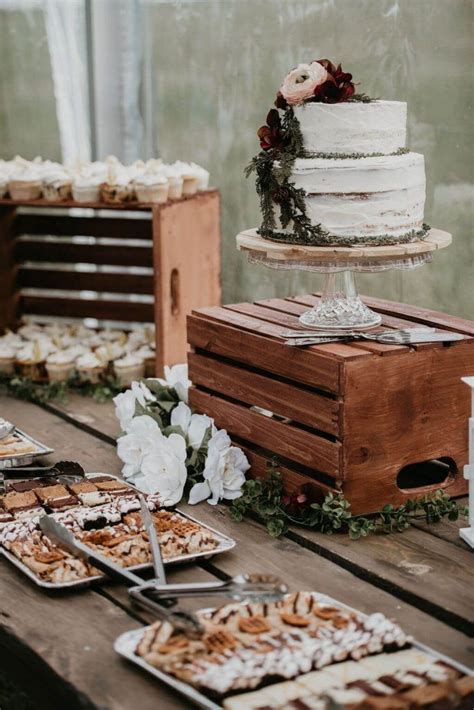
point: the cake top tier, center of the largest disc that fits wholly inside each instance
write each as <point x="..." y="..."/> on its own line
<point x="348" y="128"/>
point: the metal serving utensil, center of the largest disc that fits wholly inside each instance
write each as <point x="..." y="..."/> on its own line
<point x="150" y="529"/>
<point x="353" y="333"/>
<point x="186" y="622"/>
<point x="391" y="337"/>
<point x="251" y="587"/>
<point x="66" y="471"/>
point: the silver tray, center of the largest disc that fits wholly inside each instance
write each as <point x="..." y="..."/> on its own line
<point x="7" y="462"/>
<point x="225" y="544"/>
<point x="126" y="643"/>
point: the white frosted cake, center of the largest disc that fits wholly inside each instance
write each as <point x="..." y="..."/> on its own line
<point x="340" y="170"/>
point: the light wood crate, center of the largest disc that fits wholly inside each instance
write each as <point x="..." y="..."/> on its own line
<point x="347" y="417"/>
<point x="179" y="239"/>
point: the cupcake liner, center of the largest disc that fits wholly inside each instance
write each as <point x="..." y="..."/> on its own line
<point x="22" y="190"/>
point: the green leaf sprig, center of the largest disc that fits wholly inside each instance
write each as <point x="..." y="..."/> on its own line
<point x="264" y="499"/>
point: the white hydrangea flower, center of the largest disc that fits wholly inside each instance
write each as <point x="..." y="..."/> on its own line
<point x="224" y="472"/>
<point x="177" y="377"/>
<point x="194" y="426"/>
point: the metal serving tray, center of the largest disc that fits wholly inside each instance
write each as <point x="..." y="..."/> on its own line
<point x="225" y="543"/>
<point x="126" y="643"/>
<point x="7" y="462"/>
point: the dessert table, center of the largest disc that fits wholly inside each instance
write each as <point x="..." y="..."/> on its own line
<point x="59" y="646"/>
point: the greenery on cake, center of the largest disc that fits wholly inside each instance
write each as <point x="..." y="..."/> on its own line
<point x="281" y="143"/>
<point x="310" y="508"/>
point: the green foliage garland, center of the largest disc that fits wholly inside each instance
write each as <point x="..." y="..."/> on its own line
<point x="264" y="499"/>
<point x="42" y="392"/>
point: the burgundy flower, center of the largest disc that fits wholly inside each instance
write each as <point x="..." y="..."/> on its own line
<point x="272" y="136"/>
<point x="339" y="86"/>
<point x="280" y="101"/>
<point x="298" y="502"/>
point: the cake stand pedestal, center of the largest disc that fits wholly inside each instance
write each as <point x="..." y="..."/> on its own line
<point x="340" y="306"/>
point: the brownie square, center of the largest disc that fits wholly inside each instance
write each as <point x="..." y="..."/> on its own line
<point x="111" y="485"/>
<point x="83" y="487"/>
<point x="14" y="501"/>
<point x="51" y="492"/>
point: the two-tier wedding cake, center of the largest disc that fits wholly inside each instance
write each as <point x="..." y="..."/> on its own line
<point x="334" y="168"/>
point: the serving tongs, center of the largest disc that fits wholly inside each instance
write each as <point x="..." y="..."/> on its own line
<point x="67" y="471"/>
<point x="182" y="621"/>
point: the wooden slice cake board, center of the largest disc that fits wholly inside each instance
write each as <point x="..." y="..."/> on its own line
<point x="250" y="240"/>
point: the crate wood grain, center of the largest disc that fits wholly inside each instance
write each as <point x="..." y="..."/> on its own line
<point x="176" y="247"/>
<point x="344" y="417"/>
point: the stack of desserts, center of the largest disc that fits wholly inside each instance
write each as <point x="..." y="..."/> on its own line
<point x="109" y="181"/>
<point x="102" y="512"/>
<point x="56" y="352"/>
<point x="303" y="654"/>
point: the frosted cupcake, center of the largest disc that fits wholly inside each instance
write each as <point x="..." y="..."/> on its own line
<point x="202" y="177"/>
<point x="90" y="368"/>
<point x="86" y="188"/>
<point x="30" y="360"/>
<point x="190" y="177"/>
<point x="60" y="365"/>
<point x="57" y="186"/>
<point x="110" y="335"/>
<point x="110" y="351"/>
<point x="25" y="185"/>
<point x="7" y="359"/>
<point x="116" y="188"/>
<point x="175" y="182"/>
<point x="12" y="340"/>
<point x="129" y="368"/>
<point x="149" y="358"/>
<point x="152" y="188"/>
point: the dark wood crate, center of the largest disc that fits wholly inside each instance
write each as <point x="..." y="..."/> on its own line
<point x="346" y="417"/>
<point x="179" y="241"/>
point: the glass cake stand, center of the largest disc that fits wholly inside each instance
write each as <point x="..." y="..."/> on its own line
<point x="340" y="307"/>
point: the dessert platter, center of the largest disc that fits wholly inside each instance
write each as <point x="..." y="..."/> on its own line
<point x="339" y="191"/>
<point x="109" y="182"/>
<point x="304" y="652"/>
<point x="59" y="352"/>
<point x="103" y="513"/>
<point x="20" y="449"/>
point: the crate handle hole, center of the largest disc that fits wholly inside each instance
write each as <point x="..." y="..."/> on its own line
<point x="426" y="474"/>
<point x="174" y="292"/>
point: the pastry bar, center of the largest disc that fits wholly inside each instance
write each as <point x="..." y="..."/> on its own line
<point x="246" y="646"/>
<point x="403" y="680"/>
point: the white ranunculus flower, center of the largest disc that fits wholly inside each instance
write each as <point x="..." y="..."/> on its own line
<point x="177" y="377"/>
<point x="133" y="446"/>
<point x="193" y="425"/>
<point x="301" y="82"/>
<point x="224" y="472"/>
<point x="163" y="468"/>
<point x="125" y="403"/>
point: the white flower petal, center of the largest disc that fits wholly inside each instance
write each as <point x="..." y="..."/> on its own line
<point x="199" y="492"/>
<point x="181" y="416"/>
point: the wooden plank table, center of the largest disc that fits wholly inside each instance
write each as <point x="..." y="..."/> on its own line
<point x="59" y="647"/>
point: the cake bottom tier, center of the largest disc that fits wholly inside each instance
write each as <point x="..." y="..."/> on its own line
<point x="393" y="213"/>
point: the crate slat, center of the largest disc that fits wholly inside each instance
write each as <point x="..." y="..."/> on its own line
<point x="306" y="448"/>
<point x="86" y="281"/>
<point x="65" y="225"/>
<point x="303" y="405"/>
<point x="85" y="308"/>
<point x="302" y="365"/>
<point x="83" y="253"/>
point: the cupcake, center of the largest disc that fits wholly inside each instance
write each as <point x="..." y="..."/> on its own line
<point x="90" y="368"/>
<point x="109" y="351"/>
<point x="117" y="187"/>
<point x="175" y="182"/>
<point x="7" y="359"/>
<point x="129" y="368"/>
<point x="60" y="365"/>
<point x="25" y="186"/>
<point x="30" y="360"/>
<point x="86" y="188"/>
<point x="148" y="356"/>
<point x="152" y="188"/>
<point x="190" y="180"/>
<point x="110" y="335"/>
<point x="12" y="340"/>
<point x="202" y="177"/>
<point x="57" y="186"/>
<point x="30" y="331"/>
